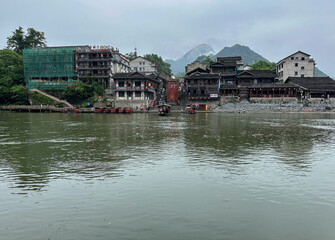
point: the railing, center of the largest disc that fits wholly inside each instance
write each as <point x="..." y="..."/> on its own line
<point x="134" y="88"/>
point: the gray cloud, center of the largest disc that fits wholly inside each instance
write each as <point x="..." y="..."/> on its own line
<point x="274" y="29"/>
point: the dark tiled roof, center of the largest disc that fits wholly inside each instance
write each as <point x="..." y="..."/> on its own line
<point x="317" y="84"/>
<point x="256" y="74"/>
<point x="132" y="75"/>
<point x="197" y="75"/>
<point x="223" y="64"/>
<point x="224" y="59"/>
<point x="198" y="69"/>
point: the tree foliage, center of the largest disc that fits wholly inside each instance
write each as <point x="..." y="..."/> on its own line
<point x="12" y="89"/>
<point x="263" y="65"/>
<point x="163" y="67"/>
<point x="80" y="91"/>
<point x="131" y="55"/>
<point x="19" y="40"/>
<point x="207" y="61"/>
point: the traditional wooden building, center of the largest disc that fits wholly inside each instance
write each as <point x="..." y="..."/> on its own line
<point x="202" y="88"/>
<point x="314" y="87"/>
<point x="135" y="90"/>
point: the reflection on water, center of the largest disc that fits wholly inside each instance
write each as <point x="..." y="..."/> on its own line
<point x="171" y="166"/>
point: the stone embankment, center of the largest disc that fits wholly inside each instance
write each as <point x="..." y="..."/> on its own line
<point x="326" y="106"/>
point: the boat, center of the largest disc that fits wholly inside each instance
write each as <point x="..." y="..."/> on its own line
<point x="113" y="110"/>
<point x="98" y="110"/>
<point x="128" y="110"/>
<point x="120" y="110"/>
<point x="190" y="109"/>
<point x="107" y="110"/>
<point x="163" y="109"/>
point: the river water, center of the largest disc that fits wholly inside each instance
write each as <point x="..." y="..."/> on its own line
<point x="141" y="176"/>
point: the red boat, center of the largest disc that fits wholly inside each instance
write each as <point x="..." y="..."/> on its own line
<point x="113" y="110"/>
<point x="128" y="110"/>
<point x="107" y="110"/>
<point x="98" y="110"/>
<point x="120" y="110"/>
<point x="77" y="110"/>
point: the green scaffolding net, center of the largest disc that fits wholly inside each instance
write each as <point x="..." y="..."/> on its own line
<point x="49" y="68"/>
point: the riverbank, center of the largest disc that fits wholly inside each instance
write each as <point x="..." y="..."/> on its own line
<point x="238" y="107"/>
<point x="246" y="106"/>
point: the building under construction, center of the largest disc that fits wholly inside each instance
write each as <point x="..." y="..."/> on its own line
<point x="54" y="68"/>
<point x="49" y="68"/>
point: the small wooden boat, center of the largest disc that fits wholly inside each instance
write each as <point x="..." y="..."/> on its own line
<point x="128" y="110"/>
<point x="107" y="110"/>
<point x="77" y="110"/>
<point x="190" y="109"/>
<point x="113" y="110"/>
<point x="163" y="109"/>
<point x="98" y="110"/>
<point x="120" y="110"/>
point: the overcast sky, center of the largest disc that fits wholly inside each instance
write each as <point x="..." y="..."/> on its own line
<point x="170" y="28"/>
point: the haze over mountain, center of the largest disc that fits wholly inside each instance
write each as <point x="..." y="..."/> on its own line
<point x="178" y="66"/>
<point x="200" y="52"/>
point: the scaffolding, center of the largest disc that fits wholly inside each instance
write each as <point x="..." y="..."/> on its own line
<point x="49" y="68"/>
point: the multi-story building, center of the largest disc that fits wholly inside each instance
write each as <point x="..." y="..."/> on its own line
<point x="298" y="64"/>
<point x="100" y="63"/>
<point x="136" y="90"/>
<point x="141" y="64"/>
<point x="50" y="68"/>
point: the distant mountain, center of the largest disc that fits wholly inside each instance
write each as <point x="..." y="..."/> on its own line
<point x="178" y="66"/>
<point x="248" y="56"/>
<point x="200" y="52"/>
<point x="319" y="73"/>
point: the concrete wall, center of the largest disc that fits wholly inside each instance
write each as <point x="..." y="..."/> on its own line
<point x="287" y="67"/>
<point x="142" y="65"/>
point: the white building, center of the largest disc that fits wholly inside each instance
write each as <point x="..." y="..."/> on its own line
<point x="119" y="63"/>
<point x="298" y="64"/>
<point x="141" y="64"/>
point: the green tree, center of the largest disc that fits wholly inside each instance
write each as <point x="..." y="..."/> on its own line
<point x="80" y="91"/>
<point x="131" y="55"/>
<point x="19" y="40"/>
<point x="12" y="89"/>
<point x="163" y="67"/>
<point x="263" y="65"/>
<point x="207" y="61"/>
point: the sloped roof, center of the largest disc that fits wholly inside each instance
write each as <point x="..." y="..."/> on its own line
<point x="197" y="75"/>
<point x="294" y="54"/>
<point x="256" y="74"/>
<point x="132" y="76"/>
<point x="317" y="84"/>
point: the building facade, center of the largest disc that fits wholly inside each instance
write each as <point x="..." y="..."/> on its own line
<point x="135" y="90"/>
<point x="298" y="64"/>
<point x="141" y="64"/>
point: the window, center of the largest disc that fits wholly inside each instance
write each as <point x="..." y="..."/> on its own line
<point x="296" y="64"/>
<point x="135" y="68"/>
<point x="255" y="81"/>
<point x="302" y="67"/>
<point x="303" y="58"/>
<point x="137" y="94"/>
<point x="292" y="58"/>
<point x="202" y="91"/>
<point x="143" y="68"/>
<point x="121" y="94"/>
<point x="302" y="75"/>
<point x="194" y="91"/>
<point x="137" y="83"/>
<point x="296" y="73"/>
<point x="143" y="63"/>
<point x="121" y="84"/>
